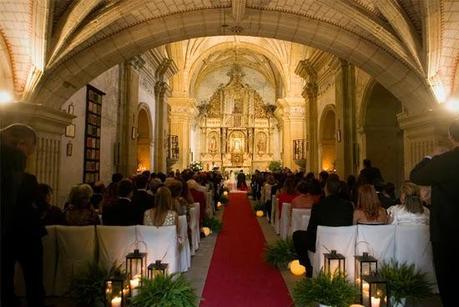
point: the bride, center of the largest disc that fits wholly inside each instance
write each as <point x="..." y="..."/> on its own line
<point x="230" y="183"/>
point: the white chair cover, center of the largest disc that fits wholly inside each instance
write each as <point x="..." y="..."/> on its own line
<point x="194" y="226"/>
<point x="161" y="244"/>
<point x="76" y="246"/>
<point x="275" y="215"/>
<point x="377" y="240"/>
<point x="342" y="239"/>
<point x="300" y="219"/>
<point x="114" y="243"/>
<point x="185" y="253"/>
<point x="285" y="221"/>
<point x="412" y="245"/>
<point x="49" y="265"/>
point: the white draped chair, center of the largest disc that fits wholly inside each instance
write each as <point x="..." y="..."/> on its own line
<point x="342" y="239"/>
<point x="284" y="224"/>
<point x="185" y="253"/>
<point x="76" y="247"/>
<point x="114" y="243"/>
<point x="412" y="245"/>
<point x="299" y="220"/>
<point x="161" y="243"/>
<point x="194" y="226"/>
<point x="377" y="240"/>
<point x="49" y="265"/>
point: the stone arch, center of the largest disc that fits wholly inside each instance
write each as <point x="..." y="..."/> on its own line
<point x="144" y="138"/>
<point x="382" y="135"/>
<point x="91" y="55"/>
<point x="327" y="139"/>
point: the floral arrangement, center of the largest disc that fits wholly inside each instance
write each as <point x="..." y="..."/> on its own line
<point x="196" y="166"/>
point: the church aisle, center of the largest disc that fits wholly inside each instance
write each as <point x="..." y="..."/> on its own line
<point x="238" y="276"/>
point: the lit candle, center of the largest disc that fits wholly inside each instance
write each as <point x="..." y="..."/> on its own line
<point x="225" y="193"/>
<point x="116" y="302"/>
<point x="219" y="204"/>
<point x="375" y="302"/>
<point x="134" y="283"/>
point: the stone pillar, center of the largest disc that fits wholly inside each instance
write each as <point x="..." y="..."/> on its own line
<point x="422" y="133"/>
<point x="183" y="110"/>
<point x="345" y="121"/>
<point x="310" y="93"/>
<point x="50" y="126"/>
<point x="291" y="114"/>
<point x="161" y="93"/>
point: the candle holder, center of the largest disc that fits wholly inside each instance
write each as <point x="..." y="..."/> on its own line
<point x="334" y="263"/>
<point x="116" y="292"/>
<point x="374" y="291"/>
<point x="135" y="264"/>
<point x="157" y="268"/>
<point x="364" y="265"/>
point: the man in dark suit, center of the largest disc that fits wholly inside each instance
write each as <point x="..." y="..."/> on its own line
<point x="121" y="212"/>
<point x="142" y="200"/>
<point x="441" y="172"/>
<point x="241" y="184"/>
<point x="369" y="174"/>
<point x="20" y="221"/>
<point x="330" y="211"/>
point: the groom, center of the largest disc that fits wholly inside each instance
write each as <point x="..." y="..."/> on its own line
<point x="241" y="184"/>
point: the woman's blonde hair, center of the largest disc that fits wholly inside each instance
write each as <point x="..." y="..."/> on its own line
<point x="80" y="195"/>
<point x="368" y="201"/>
<point x="412" y="197"/>
<point x="163" y="203"/>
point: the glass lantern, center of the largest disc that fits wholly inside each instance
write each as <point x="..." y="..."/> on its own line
<point x="116" y="292"/>
<point x="157" y="268"/>
<point x="135" y="264"/>
<point x="374" y="291"/>
<point x="334" y="263"/>
<point x="364" y="265"/>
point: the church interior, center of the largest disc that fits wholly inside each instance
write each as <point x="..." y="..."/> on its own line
<point x="128" y="86"/>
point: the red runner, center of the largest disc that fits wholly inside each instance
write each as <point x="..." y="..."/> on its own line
<point x="238" y="275"/>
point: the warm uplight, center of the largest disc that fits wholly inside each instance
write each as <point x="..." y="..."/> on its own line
<point x="296" y="268"/>
<point x="452" y="105"/>
<point x="5" y="97"/>
<point x="439" y="91"/>
<point x="206" y="231"/>
<point x="259" y="213"/>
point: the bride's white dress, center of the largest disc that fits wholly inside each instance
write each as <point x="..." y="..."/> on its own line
<point x="231" y="182"/>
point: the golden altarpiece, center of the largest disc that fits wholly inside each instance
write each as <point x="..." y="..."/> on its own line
<point x="236" y="126"/>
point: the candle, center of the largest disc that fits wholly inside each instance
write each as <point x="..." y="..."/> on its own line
<point x="225" y="193"/>
<point x="375" y="302"/>
<point x="134" y="283"/>
<point x="116" y="302"/>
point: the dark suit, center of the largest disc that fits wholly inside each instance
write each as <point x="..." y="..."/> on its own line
<point x="442" y="174"/>
<point x="370" y="175"/>
<point x="330" y="211"/>
<point x="241" y="181"/>
<point x="120" y="213"/>
<point x="142" y="201"/>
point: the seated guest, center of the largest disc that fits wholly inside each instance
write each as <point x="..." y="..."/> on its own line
<point x="179" y="204"/>
<point x="49" y="214"/>
<point x="79" y="211"/>
<point x="287" y="193"/>
<point x="142" y="200"/>
<point x="411" y="210"/>
<point x="110" y="192"/>
<point x="155" y="184"/>
<point x="98" y="196"/>
<point x="386" y="194"/>
<point x="330" y="211"/>
<point x="162" y="214"/>
<point x="309" y="194"/>
<point x="369" y="209"/>
<point x="121" y="212"/>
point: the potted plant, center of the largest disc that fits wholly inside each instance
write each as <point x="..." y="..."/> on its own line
<point x="165" y="291"/>
<point x="275" y="166"/>
<point x="280" y="253"/>
<point x="88" y="287"/>
<point x="213" y="223"/>
<point x="405" y="282"/>
<point x="327" y="290"/>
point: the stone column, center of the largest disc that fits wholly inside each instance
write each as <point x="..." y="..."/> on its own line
<point x="291" y="114"/>
<point x="345" y="123"/>
<point x="422" y="133"/>
<point x="310" y="93"/>
<point x="183" y="110"/>
<point x="161" y="93"/>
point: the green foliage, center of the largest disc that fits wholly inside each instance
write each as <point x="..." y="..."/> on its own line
<point x="88" y="287"/>
<point x="196" y="166"/>
<point x="327" y="289"/>
<point x="213" y="223"/>
<point x="259" y="206"/>
<point x="405" y="281"/>
<point x="280" y="253"/>
<point x="224" y="199"/>
<point x="275" y="166"/>
<point x="165" y="291"/>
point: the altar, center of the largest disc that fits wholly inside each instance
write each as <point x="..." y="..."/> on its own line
<point x="236" y="127"/>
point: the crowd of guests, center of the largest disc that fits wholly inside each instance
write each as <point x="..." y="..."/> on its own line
<point x="364" y="199"/>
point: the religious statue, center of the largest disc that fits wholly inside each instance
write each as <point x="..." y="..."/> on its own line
<point x="213" y="144"/>
<point x="261" y="144"/>
<point x="236" y="146"/>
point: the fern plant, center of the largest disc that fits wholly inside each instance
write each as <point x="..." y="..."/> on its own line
<point x="327" y="289"/>
<point x="280" y="253"/>
<point x="213" y="223"/>
<point x="88" y="287"/>
<point x="405" y="281"/>
<point x="259" y="206"/>
<point x="165" y="291"/>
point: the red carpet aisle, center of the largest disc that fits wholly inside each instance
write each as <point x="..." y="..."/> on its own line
<point x="238" y="276"/>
